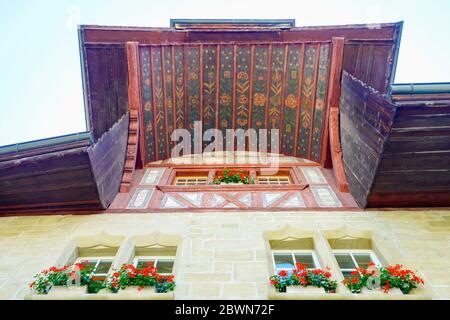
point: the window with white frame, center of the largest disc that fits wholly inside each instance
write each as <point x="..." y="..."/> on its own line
<point x="350" y="260"/>
<point x="163" y="264"/>
<point x="287" y="259"/>
<point x="99" y="266"/>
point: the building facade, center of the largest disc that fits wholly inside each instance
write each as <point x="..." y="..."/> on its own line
<point x="225" y="152"/>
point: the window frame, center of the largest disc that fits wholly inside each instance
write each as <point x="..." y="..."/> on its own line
<point x="187" y="178"/>
<point x="278" y="177"/>
<point x="293" y="252"/>
<point x="99" y="259"/>
<point x="155" y="258"/>
<point x="352" y="252"/>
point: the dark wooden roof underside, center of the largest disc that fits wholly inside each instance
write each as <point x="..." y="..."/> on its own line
<point x="56" y="175"/>
<point x="396" y="151"/>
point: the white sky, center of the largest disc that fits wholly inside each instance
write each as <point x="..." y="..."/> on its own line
<point x="41" y="91"/>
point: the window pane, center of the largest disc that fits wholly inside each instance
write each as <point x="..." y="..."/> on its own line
<point x="345" y="261"/>
<point x="164" y="266"/>
<point x="305" y="259"/>
<point x="103" y="267"/>
<point x="363" y="259"/>
<point x="283" y="261"/>
<point x="142" y="264"/>
<point x="89" y="264"/>
<point x="347" y="274"/>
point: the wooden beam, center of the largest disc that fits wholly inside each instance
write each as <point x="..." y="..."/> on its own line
<point x="134" y="99"/>
<point x="333" y="105"/>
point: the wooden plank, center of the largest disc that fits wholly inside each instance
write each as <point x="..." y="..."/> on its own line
<point x="333" y="115"/>
<point x="320" y="110"/>
<point x="107" y="159"/>
<point x="148" y="146"/>
<point x="135" y="109"/>
<point x="412" y="199"/>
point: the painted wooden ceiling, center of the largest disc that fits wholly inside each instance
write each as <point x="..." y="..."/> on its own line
<point x="279" y="85"/>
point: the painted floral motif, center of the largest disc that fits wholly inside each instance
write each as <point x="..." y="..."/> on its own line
<point x="243" y="99"/>
<point x="291" y="101"/>
<point x="320" y="104"/>
<point x="225" y="99"/>
<point x="243" y="76"/>
<point x="259" y="100"/>
<point x="193" y="76"/>
<point x="193" y="101"/>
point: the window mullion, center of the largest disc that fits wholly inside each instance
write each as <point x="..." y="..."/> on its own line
<point x="354" y="260"/>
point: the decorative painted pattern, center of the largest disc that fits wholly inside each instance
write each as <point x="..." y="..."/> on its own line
<point x="141" y="199"/>
<point x="314" y="175"/>
<point x="193" y="197"/>
<point x="306" y="101"/>
<point x="269" y="198"/>
<point x="158" y="100"/>
<point x="179" y="87"/>
<point x="243" y="58"/>
<point x="209" y="88"/>
<point x="168" y="92"/>
<point x="260" y="86"/>
<point x="276" y="89"/>
<point x="170" y="202"/>
<point x="152" y="176"/>
<point x="291" y="103"/>
<point x="325" y="197"/>
<point x="294" y="201"/>
<point x="193" y="87"/>
<point x="147" y="104"/>
<point x="320" y="103"/>
<point x="226" y="87"/>
<point x="259" y="90"/>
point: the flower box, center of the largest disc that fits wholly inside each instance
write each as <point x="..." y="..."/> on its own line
<point x="232" y="184"/>
<point x="148" y="293"/>
<point x="65" y="290"/>
<point x="231" y="177"/>
<point x="304" y="290"/>
<point x="379" y="291"/>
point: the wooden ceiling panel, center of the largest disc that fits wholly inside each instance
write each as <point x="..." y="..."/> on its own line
<point x="262" y="86"/>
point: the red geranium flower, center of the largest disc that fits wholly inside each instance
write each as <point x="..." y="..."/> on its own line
<point x="283" y="273"/>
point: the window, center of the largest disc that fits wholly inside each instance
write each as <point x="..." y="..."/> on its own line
<point x="287" y="260"/>
<point x="274" y="180"/>
<point x="350" y="260"/>
<point x="163" y="265"/>
<point x="191" y="181"/>
<point x="100" y="266"/>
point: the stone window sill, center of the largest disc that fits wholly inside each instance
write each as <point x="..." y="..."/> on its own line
<point x="80" y="294"/>
<point x="314" y="294"/>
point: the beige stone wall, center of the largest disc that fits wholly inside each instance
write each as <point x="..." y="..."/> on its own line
<point x="225" y="255"/>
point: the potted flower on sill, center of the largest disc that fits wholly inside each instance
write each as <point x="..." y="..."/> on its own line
<point x="142" y="279"/>
<point x="387" y="278"/>
<point x="56" y="280"/>
<point x="303" y="277"/>
<point x="231" y="177"/>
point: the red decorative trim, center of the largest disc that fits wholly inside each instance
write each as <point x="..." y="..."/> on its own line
<point x="333" y="103"/>
<point x="283" y="92"/>
<point x="135" y="107"/>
